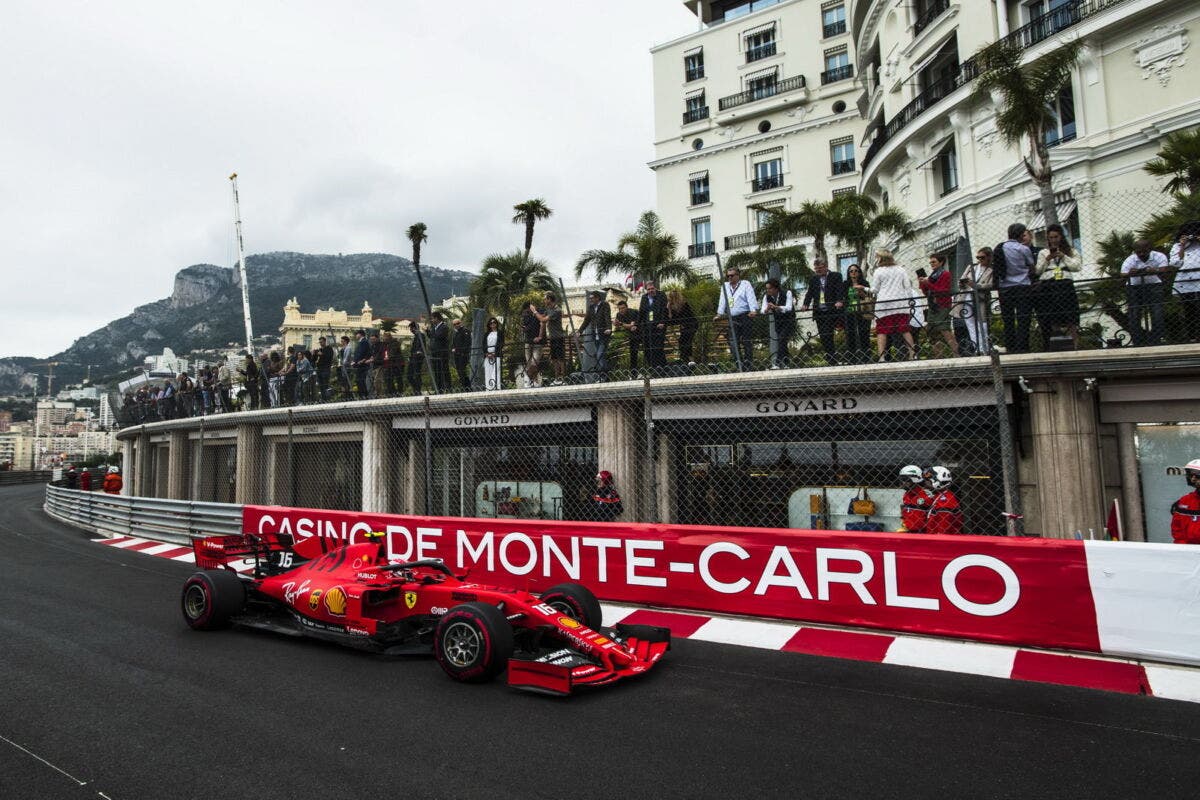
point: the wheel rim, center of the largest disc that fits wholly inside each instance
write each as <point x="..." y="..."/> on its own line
<point x="461" y="644"/>
<point x="195" y="601"/>
<point x="563" y="608"/>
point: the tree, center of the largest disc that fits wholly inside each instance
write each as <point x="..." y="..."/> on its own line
<point x="1179" y="160"/>
<point x="417" y="235"/>
<point x="858" y="223"/>
<point x="1024" y="112"/>
<point x="755" y="265"/>
<point x="648" y="252"/>
<point x="504" y="277"/>
<point x="528" y="213"/>
<point x="814" y="219"/>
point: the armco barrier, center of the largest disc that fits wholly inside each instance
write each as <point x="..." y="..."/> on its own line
<point x="1121" y="599"/>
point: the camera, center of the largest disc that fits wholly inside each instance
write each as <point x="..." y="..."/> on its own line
<point x="921" y="273"/>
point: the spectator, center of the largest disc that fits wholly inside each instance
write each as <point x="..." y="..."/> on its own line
<point x="346" y="367"/>
<point x="71" y="478"/>
<point x="780" y="305"/>
<point x="439" y="351"/>
<point x="1185" y="258"/>
<point x="1055" y="300"/>
<point x="531" y="330"/>
<point x="606" y="502"/>
<point x="626" y="320"/>
<point x="594" y="334"/>
<point x="860" y="311"/>
<point x="378" y="366"/>
<point x="85" y="480"/>
<point x="826" y="296"/>
<point x="493" y="356"/>
<point x="552" y="331"/>
<point x="971" y="304"/>
<point x="652" y="322"/>
<point x="1143" y="269"/>
<point x="166" y="401"/>
<point x="393" y="365"/>
<point x="323" y="359"/>
<point x="224" y="382"/>
<point x="305" y="378"/>
<point x="945" y="513"/>
<point x="1013" y="272"/>
<point x="416" y="358"/>
<point x="290" y="377"/>
<point x="112" y="481"/>
<point x="249" y="373"/>
<point x="680" y="314"/>
<point x="460" y="350"/>
<point x="1185" y="512"/>
<point x="893" y="303"/>
<point x="185" y="395"/>
<point x="264" y="382"/>
<point x="936" y="287"/>
<point x="275" y="377"/>
<point x="738" y="301"/>
<point x="362" y="364"/>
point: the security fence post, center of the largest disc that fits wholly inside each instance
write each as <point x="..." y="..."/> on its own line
<point x="291" y="463"/>
<point x="1008" y="464"/>
<point x="428" y="459"/>
<point x="651" y="471"/>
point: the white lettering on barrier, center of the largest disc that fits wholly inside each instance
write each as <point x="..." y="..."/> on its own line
<point x="602" y="545"/>
<point x="856" y="580"/>
<point x="485" y="546"/>
<point x="706" y="573"/>
<point x="550" y="547"/>
<point x="530" y="548"/>
<point x="425" y="547"/>
<point x="891" y="594"/>
<point x="780" y="555"/>
<point x="633" y="561"/>
<point x="1012" y="586"/>
<point x="393" y="531"/>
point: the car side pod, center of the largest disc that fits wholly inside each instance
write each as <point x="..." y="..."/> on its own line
<point x="560" y="672"/>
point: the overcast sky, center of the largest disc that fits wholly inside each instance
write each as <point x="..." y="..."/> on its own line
<point x="121" y="121"/>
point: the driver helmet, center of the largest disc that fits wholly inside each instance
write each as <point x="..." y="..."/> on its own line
<point x="913" y="473"/>
<point x="939" y="477"/>
<point x="113" y="470"/>
<point x="1191" y="472"/>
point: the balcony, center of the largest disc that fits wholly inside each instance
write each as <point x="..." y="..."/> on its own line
<point x="837" y="74"/>
<point x="699" y="198"/>
<point x="702" y="249"/>
<point x="1035" y="32"/>
<point x="740" y="240"/>
<point x="844" y="167"/>
<point x="693" y="74"/>
<point x="935" y="9"/>
<point x="834" y="28"/>
<point x="758" y="53"/>
<point x="761" y="92"/>
<point x="766" y="182"/>
<point x="695" y="114"/>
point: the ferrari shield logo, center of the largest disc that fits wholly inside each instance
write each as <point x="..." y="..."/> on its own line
<point x="410" y="599"/>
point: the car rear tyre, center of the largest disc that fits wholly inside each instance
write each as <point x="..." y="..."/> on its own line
<point x="576" y="602"/>
<point x="473" y="642"/>
<point x="211" y="598"/>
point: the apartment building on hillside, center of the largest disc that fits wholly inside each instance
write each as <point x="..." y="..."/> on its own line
<point x="755" y="110"/>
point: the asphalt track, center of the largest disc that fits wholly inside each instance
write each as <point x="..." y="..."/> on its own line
<point x="105" y="693"/>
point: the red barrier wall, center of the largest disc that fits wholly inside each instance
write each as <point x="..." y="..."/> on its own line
<point x="1015" y="591"/>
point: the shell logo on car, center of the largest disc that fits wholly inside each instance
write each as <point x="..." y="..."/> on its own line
<point x="335" y="601"/>
<point x="410" y="599"/>
<point x="567" y="622"/>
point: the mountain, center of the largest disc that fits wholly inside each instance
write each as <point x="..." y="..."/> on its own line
<point x="204" y="310"/>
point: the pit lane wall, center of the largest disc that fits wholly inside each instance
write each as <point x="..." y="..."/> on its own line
<point x="1121" y="599"/>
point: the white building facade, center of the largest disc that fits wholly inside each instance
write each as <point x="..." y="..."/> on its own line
<point x="755" y="110"/>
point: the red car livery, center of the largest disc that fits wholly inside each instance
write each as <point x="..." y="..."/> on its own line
<point x="351" y="594"/>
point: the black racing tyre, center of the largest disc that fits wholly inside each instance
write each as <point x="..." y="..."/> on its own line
<point x="576" y="602"/>
<point x="211" y="598"/>
<point x="473" y="642"/>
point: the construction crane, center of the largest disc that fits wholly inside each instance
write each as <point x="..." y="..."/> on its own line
<point x="237" y="223"/>
<point x="48" y="375"/>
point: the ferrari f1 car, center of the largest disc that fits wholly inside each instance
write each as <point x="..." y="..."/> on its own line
<point x="351" y="594"/>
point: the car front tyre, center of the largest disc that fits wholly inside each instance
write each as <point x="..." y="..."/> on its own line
<point x="576" y="602"/>
<point x="473" y="642"/>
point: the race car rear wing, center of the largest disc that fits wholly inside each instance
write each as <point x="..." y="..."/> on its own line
<point x="217" y="552"/>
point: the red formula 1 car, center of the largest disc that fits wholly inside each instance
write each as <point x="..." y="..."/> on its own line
<point x="350" y="594"/>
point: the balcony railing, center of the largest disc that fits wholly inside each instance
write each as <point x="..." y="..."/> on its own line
<point x="769" y="90"/>
<point x="844" y="167"/>
<point x="694" y="73"/>
<point x="837" y="74"/>
<point x="834" y="28"/>
<point x="695" y="114"/>
<point x="936" y="9"/>
<point x="699" y="198"/>
<point x="758" y="53"/>
<point x="766" y="182"/>
<point x="739" y="241"/>
<point x="1040" y="29"/>
<point x="701" y="249"/>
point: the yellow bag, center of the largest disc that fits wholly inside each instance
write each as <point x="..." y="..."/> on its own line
<point x="864" y="505"/>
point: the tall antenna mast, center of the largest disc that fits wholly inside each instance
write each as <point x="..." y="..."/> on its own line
<point x="237" y="224"/>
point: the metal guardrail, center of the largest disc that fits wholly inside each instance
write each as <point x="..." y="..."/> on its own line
<point x="13" y="477"/>
<point x="174" y="521"/>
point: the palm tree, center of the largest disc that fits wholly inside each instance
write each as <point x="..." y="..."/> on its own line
<point x="647" y="252"/>
<point x="1179" y="159"/>
<point x="417" y="235"/>
<point x="503" y="277"/>
<point x="858" y="223"/>
<point x="1024" y="113"/>
<point x="755" y="265"/>
<point x="814" y="218"/>
<point x="528" y="213"/>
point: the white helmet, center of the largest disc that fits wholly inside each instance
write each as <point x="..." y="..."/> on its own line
<point x="939" y="477"/>
<point x="913" y="473"/>
<point x="1193" y="464"/>
<point x="1191" y="472"/>
<point x="113" y="470"/>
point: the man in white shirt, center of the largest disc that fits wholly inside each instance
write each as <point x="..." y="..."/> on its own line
<point x="1144" y="269"/>
<point x="1185" y="258"/>
<point x="737" y="298"/>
